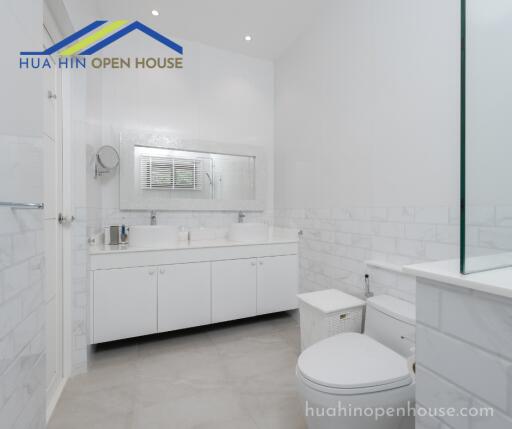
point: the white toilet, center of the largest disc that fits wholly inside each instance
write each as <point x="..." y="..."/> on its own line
<point x="342" y="377"/>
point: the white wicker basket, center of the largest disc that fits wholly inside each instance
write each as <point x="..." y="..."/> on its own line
<point x="327" y="313"/>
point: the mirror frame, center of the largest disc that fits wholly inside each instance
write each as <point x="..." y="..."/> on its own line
<point x="127" y="196"/>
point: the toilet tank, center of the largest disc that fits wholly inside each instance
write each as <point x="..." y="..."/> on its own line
<point x="392" y="322"/>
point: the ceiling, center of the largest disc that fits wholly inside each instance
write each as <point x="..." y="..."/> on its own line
<point x="273" y="24"/>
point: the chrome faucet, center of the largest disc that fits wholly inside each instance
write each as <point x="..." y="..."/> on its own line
<point x="367" y="292"/>
<point x="241" y="216"/>
<point x="153" y="217"/>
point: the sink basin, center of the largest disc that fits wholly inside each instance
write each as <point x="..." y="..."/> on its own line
<point x="153" y="236"/>
<point x="247" y="232"/>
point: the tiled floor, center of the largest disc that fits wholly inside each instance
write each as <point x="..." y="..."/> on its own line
<point x="231" y="376"/>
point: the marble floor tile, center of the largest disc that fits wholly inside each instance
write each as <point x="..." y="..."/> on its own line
<point x="87" y="410"/>
<point x="233" y="375"/>
<point x="190" y="411"/>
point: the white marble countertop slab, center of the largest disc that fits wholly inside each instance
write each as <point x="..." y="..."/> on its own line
<point x="497" y="282"/>
<point x="282" y="237"/>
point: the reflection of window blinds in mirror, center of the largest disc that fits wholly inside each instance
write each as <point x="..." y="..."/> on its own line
<point x="159" y="172"/>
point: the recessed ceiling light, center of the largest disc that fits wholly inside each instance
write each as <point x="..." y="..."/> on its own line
<point x="248" y="38"/>
<point x="155" y="12"/>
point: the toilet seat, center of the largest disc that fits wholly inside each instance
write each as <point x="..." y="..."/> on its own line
<point x="352" y="363"/>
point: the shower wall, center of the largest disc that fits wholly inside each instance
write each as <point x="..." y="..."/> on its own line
<point x="22" y="309"/>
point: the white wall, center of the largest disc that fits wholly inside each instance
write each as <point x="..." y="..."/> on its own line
<point x="82" y="136"/>
<point x="367" y="105"/>
<point x="22" y="116"/>
<point x="218" y="96"/>
<point x="22" y="310"/>
<point x="367" y="138"/>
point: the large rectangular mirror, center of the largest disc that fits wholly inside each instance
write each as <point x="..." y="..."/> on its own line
<point x="160" y="172"/>
<point x="486" y="109"/>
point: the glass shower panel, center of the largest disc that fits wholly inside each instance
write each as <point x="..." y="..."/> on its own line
<point x="486" y="128"/>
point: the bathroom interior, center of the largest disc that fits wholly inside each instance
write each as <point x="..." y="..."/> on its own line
<point x="282" y="214"/>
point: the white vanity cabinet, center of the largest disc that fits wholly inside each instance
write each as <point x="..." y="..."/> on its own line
<point x="124" y="303"/>
<point x="184" y="296"/>
<point x="278" y="279"/>
<point x="145" y="292"/>
<point x="250" y="287"/>
<point x="234" y="285"/>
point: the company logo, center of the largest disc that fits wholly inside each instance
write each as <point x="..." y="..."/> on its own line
<point x="75" y="50"/>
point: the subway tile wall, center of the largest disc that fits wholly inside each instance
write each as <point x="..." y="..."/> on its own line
<point x="464" y="355"/>
<point x="80" y="285"/>
<point x="337" y="242"/>
<point x="22" y="309"/>
<point x="188" y="219"/>
<point x="86" y="193"/>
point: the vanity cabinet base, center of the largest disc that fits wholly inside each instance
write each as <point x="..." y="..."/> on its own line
<point x="135" y="301"/>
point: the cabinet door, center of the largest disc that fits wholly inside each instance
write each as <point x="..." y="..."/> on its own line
<point x="184" y="296"/>
<point x="124" y="303"/>
<point x="277" y="283"/>
<point x="233" y="289"/>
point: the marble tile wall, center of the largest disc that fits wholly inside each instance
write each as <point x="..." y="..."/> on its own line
<point x="86" y="194"/>
<point x="22" y="263"/>
<point x="22" y="309"/>
<point x="489" y="230"/>
<point x="464" y="355"/>
<point x="187" y="219"/>
<point x="80" y="284"/>
<point x="337" y="242"/>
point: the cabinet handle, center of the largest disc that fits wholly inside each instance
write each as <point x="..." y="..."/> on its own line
<point x="151" y="272"/>
<point x="162" y="271"/>
<point x="261" y="262"/>
<point x="253" y="263"/>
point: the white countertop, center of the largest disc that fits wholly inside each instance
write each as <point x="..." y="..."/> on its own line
<point x="195" y="244"/>
<point x="496" y="282"/>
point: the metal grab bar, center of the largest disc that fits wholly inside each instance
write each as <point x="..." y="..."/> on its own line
<point x="23" y="205"/>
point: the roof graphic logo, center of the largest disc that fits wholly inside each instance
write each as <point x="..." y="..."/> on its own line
<point x="104" y="35"/>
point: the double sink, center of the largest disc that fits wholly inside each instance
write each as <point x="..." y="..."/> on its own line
<point x="153" y="236"/>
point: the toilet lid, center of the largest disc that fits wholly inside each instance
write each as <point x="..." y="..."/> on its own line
<point x="353" y="361"/>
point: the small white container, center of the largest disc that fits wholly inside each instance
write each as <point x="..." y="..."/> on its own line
<point x="328" y="312"/>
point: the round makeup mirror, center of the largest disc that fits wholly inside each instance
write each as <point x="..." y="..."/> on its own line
<point x="107" y="159"/>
